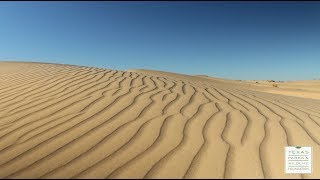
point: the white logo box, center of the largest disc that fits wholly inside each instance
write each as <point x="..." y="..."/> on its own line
<point x="298" y="160"/>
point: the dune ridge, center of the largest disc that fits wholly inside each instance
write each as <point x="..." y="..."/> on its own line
<point x="64" y="121"/>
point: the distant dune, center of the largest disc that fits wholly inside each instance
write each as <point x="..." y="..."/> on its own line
<point x="63" y="121"/>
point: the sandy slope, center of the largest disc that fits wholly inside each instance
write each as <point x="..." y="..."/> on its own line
<point x="61" y="121"/>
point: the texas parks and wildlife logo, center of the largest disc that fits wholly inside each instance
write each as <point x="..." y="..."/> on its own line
<point x="298" y="159"/>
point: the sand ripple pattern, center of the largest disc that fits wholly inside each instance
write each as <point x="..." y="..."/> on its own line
<point x="63" y="121"/>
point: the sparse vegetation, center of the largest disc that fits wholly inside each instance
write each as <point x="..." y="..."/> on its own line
<point x="274" y="85"/>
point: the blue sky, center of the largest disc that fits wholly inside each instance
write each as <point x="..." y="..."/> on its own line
<point x="236" y="40"/>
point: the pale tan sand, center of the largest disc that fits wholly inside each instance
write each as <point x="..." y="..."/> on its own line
<point x="305" y="89"/>
<point x="62" y="121"/>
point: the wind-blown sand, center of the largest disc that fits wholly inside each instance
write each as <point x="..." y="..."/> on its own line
<point x="63" y="121"/>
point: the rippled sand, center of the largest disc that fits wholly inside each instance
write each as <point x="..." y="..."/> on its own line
<point x="63" y="121"/>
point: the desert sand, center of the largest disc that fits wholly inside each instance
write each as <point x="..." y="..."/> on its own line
<point x="64" y="121"/>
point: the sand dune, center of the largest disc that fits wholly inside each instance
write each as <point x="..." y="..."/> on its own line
<point x="63" y="121"/>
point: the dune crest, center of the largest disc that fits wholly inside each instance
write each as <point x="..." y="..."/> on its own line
<point x="63" y="121"/>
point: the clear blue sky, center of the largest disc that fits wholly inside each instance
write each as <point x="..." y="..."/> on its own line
<point x="236" y="40"/>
